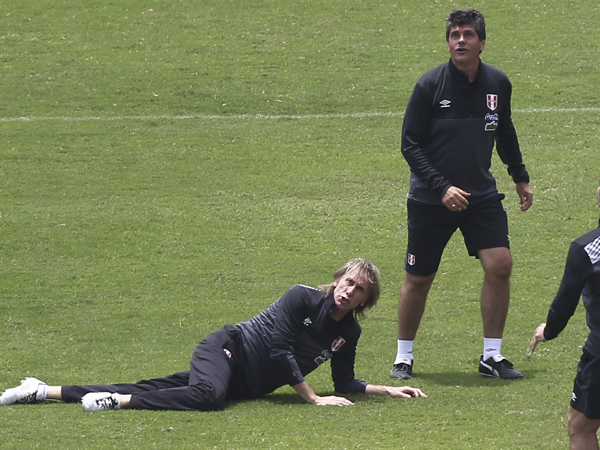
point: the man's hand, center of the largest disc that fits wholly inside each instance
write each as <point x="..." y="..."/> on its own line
<point x="405" y="392"/>
<point x="394" y="391"/>
<point x="307" y="393"/>
<point x="525" y="194"/>
<point x="455" y="199"/>
<point x="538" y="336"/>
<point x="332" y="400"/>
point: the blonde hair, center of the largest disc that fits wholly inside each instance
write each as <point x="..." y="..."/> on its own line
<point x="365" y="269"/>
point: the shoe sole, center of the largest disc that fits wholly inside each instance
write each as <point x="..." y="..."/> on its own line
<point x="499" y="377"/>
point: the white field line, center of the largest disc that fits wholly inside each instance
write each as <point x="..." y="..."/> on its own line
<point x="209" y="117"/>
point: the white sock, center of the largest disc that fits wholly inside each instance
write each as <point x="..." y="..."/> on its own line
<point x="491" y="347"/>
<point x="405" y="351"/>
<point x="42" y="392"/>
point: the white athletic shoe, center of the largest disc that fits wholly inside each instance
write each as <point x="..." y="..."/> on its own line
<point x="100" y="401"/>
<point x="27" y="392"/>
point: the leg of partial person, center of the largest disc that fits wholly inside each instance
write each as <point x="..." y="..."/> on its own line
<point x="582" y="431"/>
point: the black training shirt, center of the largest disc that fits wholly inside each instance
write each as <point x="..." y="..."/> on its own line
<point x="449" y="131"/>
<point x="293" y="337"/>
<point x="581" y="279"/>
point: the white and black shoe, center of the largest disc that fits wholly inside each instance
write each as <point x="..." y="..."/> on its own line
<point x="402" y="370"/>
<point x="27" y="392"/>
<point x="100" y="401"/>
<point x="498" y="367"/>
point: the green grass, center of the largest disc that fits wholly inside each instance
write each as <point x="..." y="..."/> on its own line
<point x="184" y="163"/>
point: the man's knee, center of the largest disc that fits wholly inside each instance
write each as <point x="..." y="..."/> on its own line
<point x="497" y="262"/>
<point x="417" y="283"/>
<point x="206" y="398"/>
<point x="503" y="268"/>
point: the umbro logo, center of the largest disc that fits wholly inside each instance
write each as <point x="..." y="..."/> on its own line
<point x="445" y="103"/>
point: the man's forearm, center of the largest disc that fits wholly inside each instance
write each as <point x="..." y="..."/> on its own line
<point x="376" y="389"/>
<point x="306" y="392"/>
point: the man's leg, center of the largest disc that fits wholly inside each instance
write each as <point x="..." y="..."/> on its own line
<point x="495" y="297"/>
<point x="582" y="431"/>
<point x="203" y="388"/>
<point x="211" y="368"/>
<point x="495" y="291"/>
<point x="74" y="393"/>
<point x="411" y="305"/>
<point x="430" y="227"/>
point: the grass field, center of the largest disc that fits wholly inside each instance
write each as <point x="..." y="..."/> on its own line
<point x="169" y="167"/>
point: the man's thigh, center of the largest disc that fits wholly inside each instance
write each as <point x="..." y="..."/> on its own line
<point x="430" y="227"/>
<point x="485" y="226"/>
<point x="586" y="387"/>
<point x="214" y="358"/>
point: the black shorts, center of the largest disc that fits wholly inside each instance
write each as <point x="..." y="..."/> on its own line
<point x="586" y="388"/>
<point x="430" y="227"/>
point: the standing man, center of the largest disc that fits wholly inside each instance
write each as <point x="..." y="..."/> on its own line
<point x="456" y="113"/>
<point x="581" y="278"/>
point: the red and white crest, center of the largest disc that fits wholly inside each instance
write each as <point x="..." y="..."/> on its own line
<point x="337" y="344"/>
<point x="492" y="101"/>
<point x="411" y="259"/>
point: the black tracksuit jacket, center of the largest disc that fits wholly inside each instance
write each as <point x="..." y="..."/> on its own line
<point x="581" y="279"/>
<point x="450" y="128"/>
<point x="293" y="337"/>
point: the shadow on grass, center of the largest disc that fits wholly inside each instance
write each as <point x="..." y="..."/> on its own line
<point x="276" y="399"/>
<point x="470" y="379"/>
<point x="284" y="399"/>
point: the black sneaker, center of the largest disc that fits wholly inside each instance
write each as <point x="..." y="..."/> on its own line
<point x="402" y="370"/>
<point x="498" y="367"/>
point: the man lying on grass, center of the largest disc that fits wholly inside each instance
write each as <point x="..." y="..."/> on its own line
<point x="281" y="345"/>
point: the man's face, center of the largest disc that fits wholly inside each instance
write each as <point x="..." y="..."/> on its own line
<point x="464" y="45"/>
<point x="351" y="290"/>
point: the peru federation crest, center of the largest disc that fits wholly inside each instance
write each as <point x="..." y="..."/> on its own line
<point x="337" y="344"/>
<point x="492" y="101"/>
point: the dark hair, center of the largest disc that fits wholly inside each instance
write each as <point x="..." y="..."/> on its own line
<point x="365" y="269"/>
<point x="460" y="17"/>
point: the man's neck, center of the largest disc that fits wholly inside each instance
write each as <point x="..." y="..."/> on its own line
<point x="470" y="70"/>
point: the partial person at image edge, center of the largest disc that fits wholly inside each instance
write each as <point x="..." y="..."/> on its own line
<point x="581" y="279"/>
